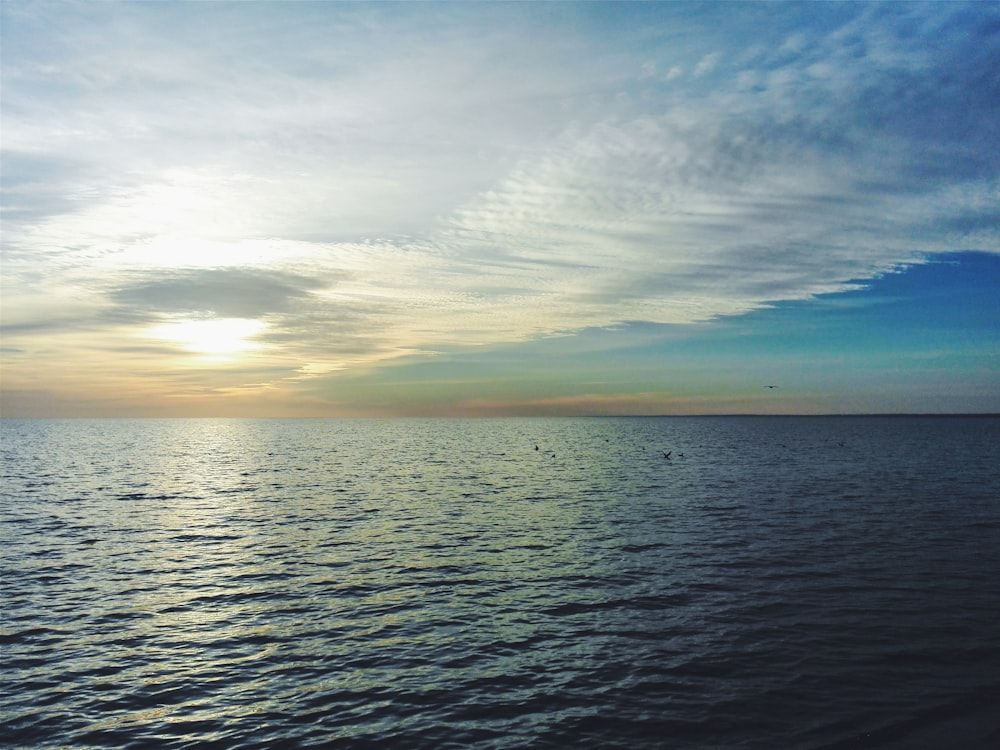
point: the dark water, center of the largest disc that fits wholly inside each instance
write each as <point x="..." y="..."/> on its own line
<point x="787" y="583"/>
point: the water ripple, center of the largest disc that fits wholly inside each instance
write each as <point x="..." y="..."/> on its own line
<point x="250" y="584"/>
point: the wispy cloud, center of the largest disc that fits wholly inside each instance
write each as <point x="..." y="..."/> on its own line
<point x="377" y="181"/>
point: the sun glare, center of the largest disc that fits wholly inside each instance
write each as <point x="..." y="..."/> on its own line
<point x="219" y="337"/>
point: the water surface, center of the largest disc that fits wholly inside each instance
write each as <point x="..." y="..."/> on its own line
<point x="519" y="583"/>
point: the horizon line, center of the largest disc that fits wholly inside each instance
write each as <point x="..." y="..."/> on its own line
<point x="544" y="416"/>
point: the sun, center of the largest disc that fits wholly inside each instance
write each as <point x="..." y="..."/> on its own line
<point x="215" y="337"/>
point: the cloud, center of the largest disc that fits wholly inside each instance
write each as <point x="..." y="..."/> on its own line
<point x="218" y="292"/>
<point x="379" y="181"/>
<point x="706" y="65"/>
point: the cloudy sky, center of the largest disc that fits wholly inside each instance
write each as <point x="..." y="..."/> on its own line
<point x="272" y="209"/>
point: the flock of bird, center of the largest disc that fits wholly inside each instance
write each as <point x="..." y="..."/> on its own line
<point x="666" y="454"/>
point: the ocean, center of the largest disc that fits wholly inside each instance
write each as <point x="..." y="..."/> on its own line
<point x="777" y="582"/>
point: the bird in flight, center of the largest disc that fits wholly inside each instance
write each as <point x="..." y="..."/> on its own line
<point x="667" y="454"/>
<point x="770" y="386"/>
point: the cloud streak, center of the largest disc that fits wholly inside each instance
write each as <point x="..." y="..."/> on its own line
<point x="376" y="182"/>
<point x="218" y="292"/>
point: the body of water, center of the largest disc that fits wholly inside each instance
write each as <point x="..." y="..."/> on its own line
<point x="777" y="582"/>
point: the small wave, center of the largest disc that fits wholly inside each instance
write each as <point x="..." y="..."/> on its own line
<point x="593" y="602"/>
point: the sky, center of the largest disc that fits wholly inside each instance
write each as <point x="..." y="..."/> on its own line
<point x="291" y="209"/>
